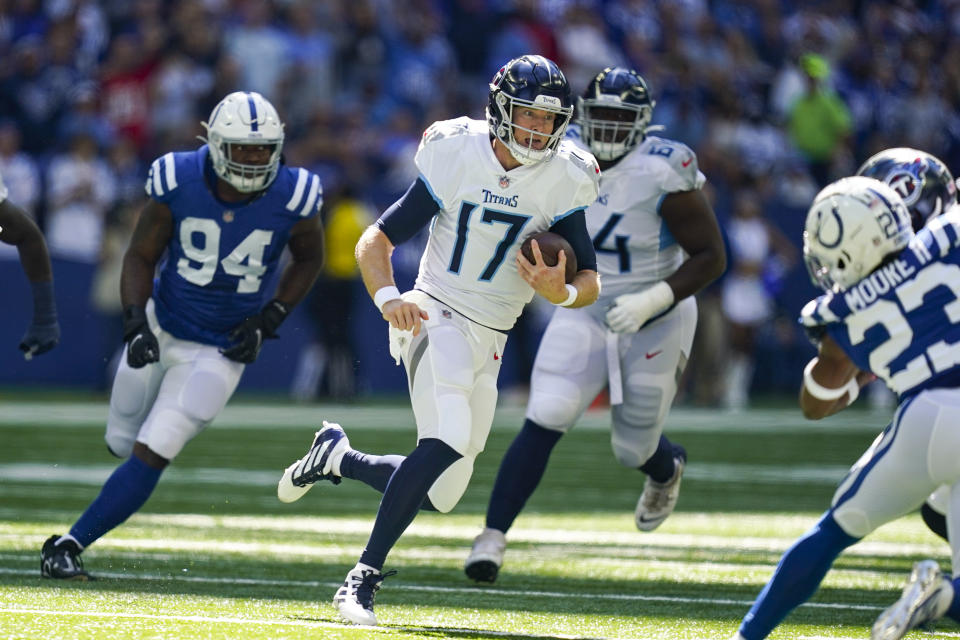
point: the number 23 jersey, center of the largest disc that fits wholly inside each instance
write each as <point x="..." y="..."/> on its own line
<point x="902" y="322"/>
<point x="485" y="215"/>
<point x="220" y="254"/>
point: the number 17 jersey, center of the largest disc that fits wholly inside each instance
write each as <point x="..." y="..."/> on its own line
<point x="485" y="215"/>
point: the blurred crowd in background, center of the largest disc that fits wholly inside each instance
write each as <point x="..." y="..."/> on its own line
<point x="776" y="97"/>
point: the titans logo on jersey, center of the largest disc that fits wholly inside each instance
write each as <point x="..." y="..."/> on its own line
<point x="221" y="255"/>
<point x="902" y="322"/>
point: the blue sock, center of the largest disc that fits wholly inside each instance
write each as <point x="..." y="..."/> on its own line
<point x="660" y="465"/>
<point x="954" y="611"/>
<point x="124" y="492"/>
<point x="797" y="577"/>
<point x="520" y="473"/>
<point x="405" y="492"/>
<point x="374" y="471"/>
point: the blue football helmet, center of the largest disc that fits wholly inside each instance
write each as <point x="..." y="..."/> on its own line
<point x="244" y="118"/>
<point x="607" y="133"/>
<point x="533" y="82"/>
<point x="922" y="180"/>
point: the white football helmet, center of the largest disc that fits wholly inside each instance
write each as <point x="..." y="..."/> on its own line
<point x="852" y="226"/>
<point x="244" y="118"/>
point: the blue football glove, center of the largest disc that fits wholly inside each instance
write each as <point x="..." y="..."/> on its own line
<point x="248" y="337"/>
<point x="142" y="345"/>
<point x="39" y="338"/>
<point x="44" y="332"/>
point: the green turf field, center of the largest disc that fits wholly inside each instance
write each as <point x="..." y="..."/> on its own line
<point x="215" y="555"/>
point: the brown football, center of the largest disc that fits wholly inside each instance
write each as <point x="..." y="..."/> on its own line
<point x="550" y="245"/>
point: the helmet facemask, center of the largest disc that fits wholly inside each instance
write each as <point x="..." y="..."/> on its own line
<point x="508" y="131"/>
<point x="244" y="119"/>
<point x="610" y="127"/>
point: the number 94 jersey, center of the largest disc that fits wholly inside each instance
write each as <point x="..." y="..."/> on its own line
<point x="220" y="254"/>
<point x="486" y="213"/>
<point x="902" y="322"/>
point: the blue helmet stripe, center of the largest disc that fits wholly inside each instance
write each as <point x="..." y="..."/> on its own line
<point x="253" y="112"/>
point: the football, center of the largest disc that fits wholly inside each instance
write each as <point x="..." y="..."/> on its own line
<point x="550" y="245"/>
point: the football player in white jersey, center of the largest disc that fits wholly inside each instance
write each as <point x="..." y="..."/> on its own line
<point x="17" y="229"/>
<point x="483" y="188"/>
<point x="657" y="243"/>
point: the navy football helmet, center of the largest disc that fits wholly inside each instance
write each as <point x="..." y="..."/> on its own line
<point x="533" y="82"/>
<point x="922" y="180"/>
<point x="614" y="113"/>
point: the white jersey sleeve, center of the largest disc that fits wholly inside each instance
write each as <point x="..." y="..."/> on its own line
<point x="3" y="189"/>
<point x="485" y="215"/>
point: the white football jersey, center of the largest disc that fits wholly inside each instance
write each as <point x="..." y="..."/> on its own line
<point x="634" y="247"/>
<point x="486" y="214"/>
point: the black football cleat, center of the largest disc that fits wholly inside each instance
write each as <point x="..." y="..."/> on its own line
<point x="62" y="561"/>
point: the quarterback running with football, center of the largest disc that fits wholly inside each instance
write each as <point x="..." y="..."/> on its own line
<point x="889" y="310"/>
<point x="657" y="243"/>
<point x="223" y="214"/>
<point x="484" y="186"/>
<point x="17" y="229"/>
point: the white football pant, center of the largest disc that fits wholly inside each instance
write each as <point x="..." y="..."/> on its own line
<point x="452" y="369"/>
<point x="915" y="454"/>
<point x="165" y="404"/>
<point x="577" y="358"/>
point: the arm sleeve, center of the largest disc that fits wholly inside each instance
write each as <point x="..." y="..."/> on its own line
<point x="409" y="214"/>
<point x="573" y="227"/>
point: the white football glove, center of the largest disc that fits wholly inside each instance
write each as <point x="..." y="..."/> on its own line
<point x="631" y="311"/>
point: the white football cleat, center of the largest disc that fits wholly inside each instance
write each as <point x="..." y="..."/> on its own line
<point x="354" y="600"/>
<point x="925" y="598"/>
<point x="659" y="499"/>
<point x="486" y="556"/>
<point x="322" y="462"/>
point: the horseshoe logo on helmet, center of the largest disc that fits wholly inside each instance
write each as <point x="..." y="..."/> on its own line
<point x="836" y="216"/>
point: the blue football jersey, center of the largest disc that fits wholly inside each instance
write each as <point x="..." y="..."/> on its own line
<point x="220" y="254"/>
<point x="902" y="322"/>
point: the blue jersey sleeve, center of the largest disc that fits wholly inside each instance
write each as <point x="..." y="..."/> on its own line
<point x="573" y="227"/>
<point x="162" y="180"/>
<point x="409" y="214"/>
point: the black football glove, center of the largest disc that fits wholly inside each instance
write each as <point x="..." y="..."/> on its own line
<point x="142" y="345"/>
<point x="44" y="332"/>
<point x="248" y="337"/>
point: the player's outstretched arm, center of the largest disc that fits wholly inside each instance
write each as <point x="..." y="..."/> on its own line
<point x="150" y="239"/>
<point x="373" y="253"/>
<point x="831" y="382"/>
<point x="17" y="229"/>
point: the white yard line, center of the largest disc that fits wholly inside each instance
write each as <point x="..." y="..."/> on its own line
<point x="506" y="593"/>
<point x="400" y="416"/>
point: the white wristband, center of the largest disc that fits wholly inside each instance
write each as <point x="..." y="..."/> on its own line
<point x="385" y="295"/>
<point x="821" y="392"/>
<point x="572" y="294"/>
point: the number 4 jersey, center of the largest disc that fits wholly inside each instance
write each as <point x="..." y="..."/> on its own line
<point x="485" y="215"/>
<point x="902" y="322"/>
<point x="220" y="254"/>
